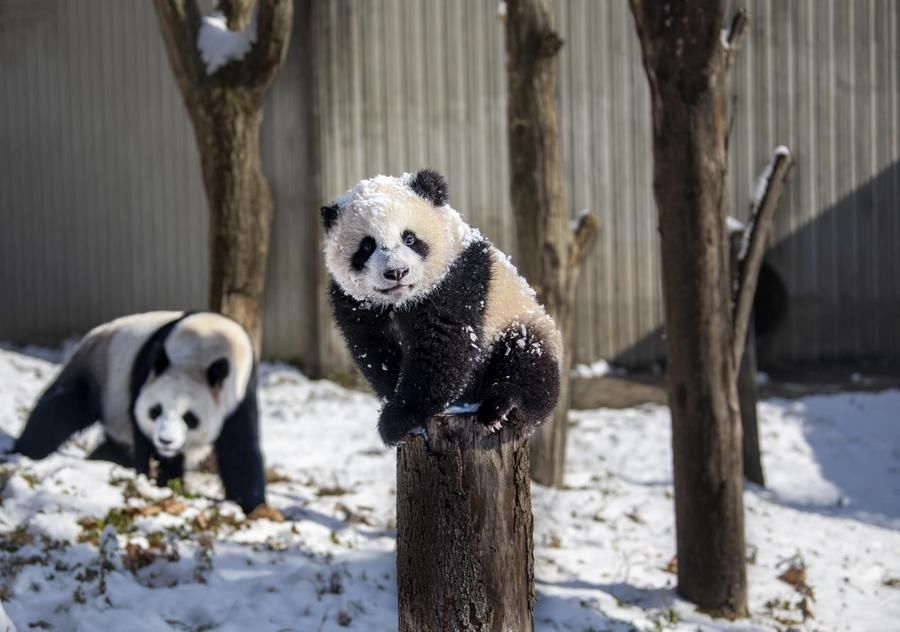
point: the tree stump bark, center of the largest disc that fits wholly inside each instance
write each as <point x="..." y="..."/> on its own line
<point x="465" y="557"/>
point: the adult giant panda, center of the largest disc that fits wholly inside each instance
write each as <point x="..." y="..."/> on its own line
<point x="166" y="385"/>
<point x="432" y="312"/>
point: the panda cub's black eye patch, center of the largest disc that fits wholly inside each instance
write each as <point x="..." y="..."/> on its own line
<point x="412" y="241"/>
<point x="362" y="254"/>
<point x="190" y="419"/>
<point x="155" y="412"/>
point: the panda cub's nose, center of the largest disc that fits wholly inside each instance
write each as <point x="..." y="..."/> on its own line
<point x="395" y="274"/>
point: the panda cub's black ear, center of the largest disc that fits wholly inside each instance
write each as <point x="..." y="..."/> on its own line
<point x="431" y="185"/>
<point x="329" y="216"/>
<point x="217" y="372"/>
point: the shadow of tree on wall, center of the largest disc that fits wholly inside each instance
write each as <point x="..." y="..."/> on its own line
<point x="841" y="273"/>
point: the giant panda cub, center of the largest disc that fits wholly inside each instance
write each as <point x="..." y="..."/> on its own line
<point x="165" y="385"/>
<point x="433" y="314"/>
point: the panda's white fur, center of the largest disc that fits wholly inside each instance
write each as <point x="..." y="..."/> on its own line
<point x="168" y="387"/>
<point x="433" y="314"/>
<point x="382" y="207"/>
<point x="109" y="352"/>
<point x="385" y="206"/>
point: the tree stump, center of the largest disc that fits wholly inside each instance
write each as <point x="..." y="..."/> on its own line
<point x="465" y="557"/>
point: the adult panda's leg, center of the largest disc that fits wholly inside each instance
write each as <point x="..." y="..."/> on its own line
<point x="111" y="451"/>
<point x="520" y="384"/>
<point x="239" y="457"/>
<point x="68" y="405"/>
<point x="169" y="470"/>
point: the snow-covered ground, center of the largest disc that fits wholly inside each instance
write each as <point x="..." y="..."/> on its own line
<point x="88" y="546"/>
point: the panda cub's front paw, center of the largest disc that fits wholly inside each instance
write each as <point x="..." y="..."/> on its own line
<point x="497" y="403"/>
<point x="396" y="424"/>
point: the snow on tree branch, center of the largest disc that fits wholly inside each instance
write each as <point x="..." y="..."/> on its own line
<point x="732" y="36"/>
<point x="219" y="45"/>
<point x="766" y="196"/>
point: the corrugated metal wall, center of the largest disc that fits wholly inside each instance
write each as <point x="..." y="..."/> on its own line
<point x="101" y="198"/>
<point x="103" y="211"/>
<point x="442" y="103"/>
<point x="824" y="79"/>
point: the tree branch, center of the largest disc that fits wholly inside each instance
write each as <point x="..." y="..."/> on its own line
<point x="754" y="246"/>
<point x="584" y="235"/>
<point x="179" y="22"/>
<point x="237" y="13"/>
<point x="732" y="38"/>
<point x="273" y="34"/>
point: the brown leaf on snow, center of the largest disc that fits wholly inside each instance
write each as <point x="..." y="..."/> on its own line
<point x="172" y="506"/>
<point x="351" y="516"/>
<point x="266" y="512"/>
<point x="137" y="557"/>
<point x="273" y="475"/>
<point x="166" y="505"/>
<point x="795" y="575"/>
<point x="671" y="567"/>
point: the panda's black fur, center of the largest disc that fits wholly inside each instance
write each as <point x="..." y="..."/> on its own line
<point x="432" y="351"/>
<point x="75" y="400"/>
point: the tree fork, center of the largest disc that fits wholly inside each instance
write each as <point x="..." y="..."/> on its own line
<point x="226" y="112"/>
<point x="465" y="556"/>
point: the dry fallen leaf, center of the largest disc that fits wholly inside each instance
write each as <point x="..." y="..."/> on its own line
<point x="266" y="512"/>
<point x="167" y="505"/>
<point x="795" y="575"/>
<point x="672" y="566"/>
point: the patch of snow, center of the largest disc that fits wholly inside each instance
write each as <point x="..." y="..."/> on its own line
<point x="462" y="409"/>
<point x="602" y="544"/>
<point x="579" y="217"/>
<point x="6" y="624"/>
<point x="734" y="225"/>
<point x="781" y="150"/>
<point x="501" y="9"/>
<point x="218" y="45"/>
<point x="759" y="192"/>
<point x="724" y="34"/>
<point x="596" y="369"/>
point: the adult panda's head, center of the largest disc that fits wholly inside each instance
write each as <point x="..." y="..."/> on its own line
<point x="199" y="375"/>
<point x="389" y="241"/>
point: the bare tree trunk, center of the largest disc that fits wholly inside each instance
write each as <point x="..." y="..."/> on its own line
<point x="746" y="379"/>
<point x="747" y="252"/>
<point x="753" y="249"/>
<point x="465" y="557"/>
<point x="686" y="62"/>
<point x="240" y="206"/>
<point x="748" y="397"/>
<point x="550" y="252"/>
<point x="225" y="108"/>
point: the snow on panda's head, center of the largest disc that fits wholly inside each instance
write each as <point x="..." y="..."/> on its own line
<point x="389" y="241"/>
<point x="199" y="376"/>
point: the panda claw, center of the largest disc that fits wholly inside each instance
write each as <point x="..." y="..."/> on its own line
<point x="495" y="426"/>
